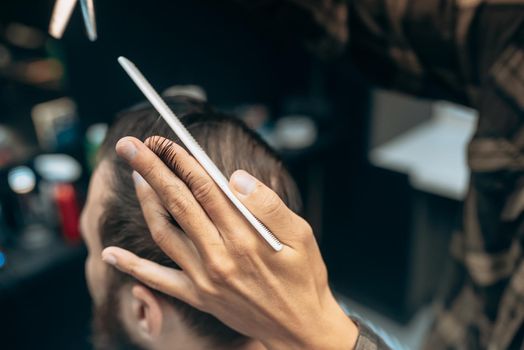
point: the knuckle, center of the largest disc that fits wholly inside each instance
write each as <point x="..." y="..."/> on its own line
<point x="135" y="269"/>
<point x="305" y="231"/>
<point x="271" y="204"/>
<point x="243" y="247"/>
<point x="202" y="190"/>
<point x="198" y="302"/>
<point x="219" y="272"/>
<point x="305" y="227"/>
<point x="154" y="284"/>
<point x="160" y="234"/>
<point x="148" y="172"/>
<point x="169" y="190"/>
<point x="146" y="196"/>
<point x="205" y="288"/>
<point x="215" y="272"/>
<point x="179" y="207"/>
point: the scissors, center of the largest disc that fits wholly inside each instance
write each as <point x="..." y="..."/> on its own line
<point x="62" y="13"/>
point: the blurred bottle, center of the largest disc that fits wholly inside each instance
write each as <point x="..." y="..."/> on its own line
<point x="59" y="173"/>
<point x="32" y="231"/>
<point x="68" y="210"/>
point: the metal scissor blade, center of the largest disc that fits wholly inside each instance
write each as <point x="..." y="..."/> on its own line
<point x="60" y="18"/>
<point x="88" y="11"/>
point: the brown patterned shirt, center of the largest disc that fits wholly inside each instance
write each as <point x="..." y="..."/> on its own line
<point x="472" y="52"/>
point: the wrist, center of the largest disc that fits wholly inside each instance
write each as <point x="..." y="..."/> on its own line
<point x="338" y="331"/>
<point x="330" y="330"/>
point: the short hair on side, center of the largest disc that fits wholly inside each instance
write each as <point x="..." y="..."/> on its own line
<point x="229" y="143"/>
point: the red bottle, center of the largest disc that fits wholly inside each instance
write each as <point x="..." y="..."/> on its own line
<point x="68" y="211"/>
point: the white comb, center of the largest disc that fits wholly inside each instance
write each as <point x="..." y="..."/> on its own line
<point x="180" y="130"/>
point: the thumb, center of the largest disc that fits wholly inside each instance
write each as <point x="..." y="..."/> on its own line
<point x="264" y="203"/>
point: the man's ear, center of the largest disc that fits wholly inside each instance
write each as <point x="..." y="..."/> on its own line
<point x="145" y="313"/>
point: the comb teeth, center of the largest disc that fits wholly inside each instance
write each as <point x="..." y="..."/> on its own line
<point x="269" y="237"/>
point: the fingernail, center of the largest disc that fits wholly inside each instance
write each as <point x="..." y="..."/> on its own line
<point x="126" y="149"/>
<point x="137" y="178"/>
<point x="243" y="182"/>
<point x="109" y="259"/>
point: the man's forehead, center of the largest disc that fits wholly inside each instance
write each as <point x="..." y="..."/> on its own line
<point x="98" y="185"/>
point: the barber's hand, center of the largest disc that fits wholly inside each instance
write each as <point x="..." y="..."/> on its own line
<point x="280" y="298"/>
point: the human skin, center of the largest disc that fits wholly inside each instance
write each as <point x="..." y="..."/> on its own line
<point x="281" y="298"/>
<point x="149" y="320"/>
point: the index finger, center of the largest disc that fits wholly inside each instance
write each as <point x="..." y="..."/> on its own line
<point x="182" y="205"/>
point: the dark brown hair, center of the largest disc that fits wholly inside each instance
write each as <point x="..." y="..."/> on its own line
<point x="229" y="143"/>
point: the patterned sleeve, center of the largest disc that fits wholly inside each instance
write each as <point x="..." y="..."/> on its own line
<point x="369" y="340"/>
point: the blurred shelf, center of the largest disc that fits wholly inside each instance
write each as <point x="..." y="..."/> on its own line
<point x="433" y="153"/>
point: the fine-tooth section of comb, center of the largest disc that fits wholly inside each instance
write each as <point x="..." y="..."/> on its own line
<point x="270" y="236"/>
<point x="194" y="148"/>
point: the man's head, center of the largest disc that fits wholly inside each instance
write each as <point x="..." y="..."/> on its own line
<point x="129" y="315"/>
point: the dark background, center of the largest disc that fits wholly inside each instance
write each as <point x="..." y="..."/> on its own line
<point x="362" y="215"/>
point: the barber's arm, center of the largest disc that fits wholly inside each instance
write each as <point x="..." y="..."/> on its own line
<point x="282" y="299"/>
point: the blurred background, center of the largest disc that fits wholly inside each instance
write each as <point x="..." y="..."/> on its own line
<point x="382" y="174"/>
